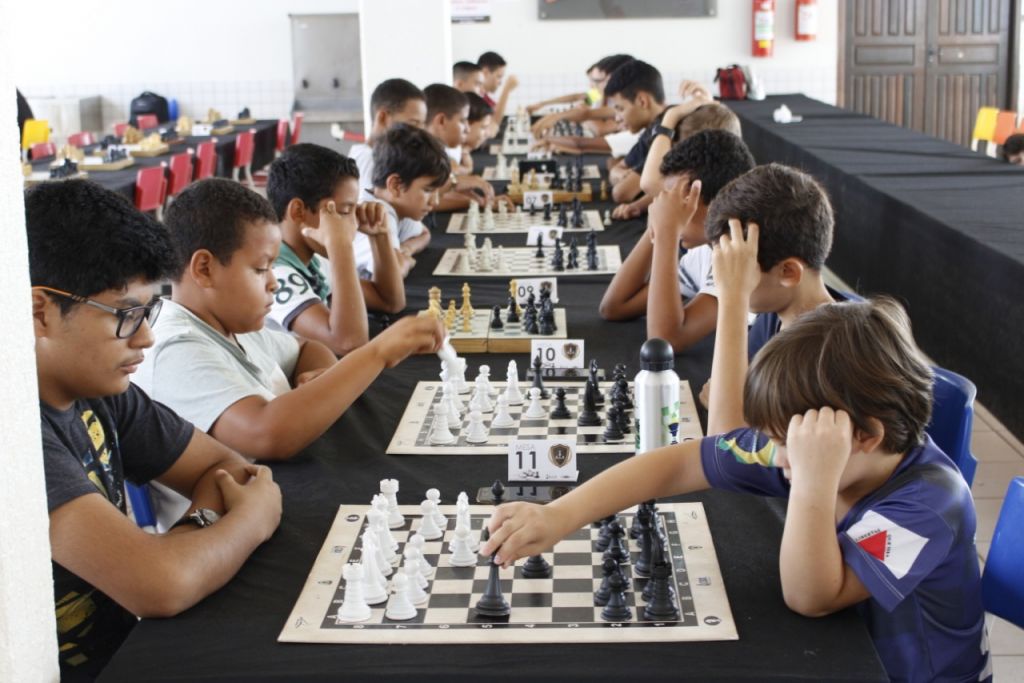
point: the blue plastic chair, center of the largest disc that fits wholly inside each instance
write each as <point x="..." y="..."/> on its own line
<point x="140" y="505"/>
<point x="953" y="419"/>
<point x="1002" y="584"/>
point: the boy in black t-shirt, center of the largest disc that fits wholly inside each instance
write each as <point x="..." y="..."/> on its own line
<point x="94" y="263"/>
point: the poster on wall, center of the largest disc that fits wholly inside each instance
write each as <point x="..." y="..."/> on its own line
<point x="625" y="9"/>
<point x="471" y="11"/>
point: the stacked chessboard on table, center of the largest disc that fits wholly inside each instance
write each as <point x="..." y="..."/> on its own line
<point x="413" y="432"/>
<point x="565" y="602"/>
<point x="519" y="221"/>
<point x="472" y="330"/>
<point x="502" y="171"/>
<point x="528" y="261"/>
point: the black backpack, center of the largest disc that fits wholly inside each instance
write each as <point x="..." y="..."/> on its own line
<point x="149" y="103"/>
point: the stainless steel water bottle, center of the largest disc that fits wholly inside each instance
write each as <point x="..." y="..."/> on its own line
<point x="656" y="391"/>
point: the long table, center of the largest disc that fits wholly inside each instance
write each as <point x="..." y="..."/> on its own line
<point x="933" y="224"/>
<point x="232" y="635"/>
<point x="123" y="181"/>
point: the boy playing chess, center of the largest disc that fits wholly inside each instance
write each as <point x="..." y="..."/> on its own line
<point x="478" y="123"/>
<point x="95" y="262"/>
<point x="329" y="307"/>
<point x="493" y="66"/>
<point x="878" y="517"/>
<point x="395" y="100"/>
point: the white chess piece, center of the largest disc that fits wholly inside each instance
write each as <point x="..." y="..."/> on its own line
<point x="380" y="503"/>
<point x="481" y="400"/>
<point x="476" y="431"/>
<point x="386" y="554"/>
<point x="389" y="489"/>
<point x="488" y="220"/>
<point x="449" y="395"/>
<point x="413" y="557"/>
<point x="462" y="499"/>
<point x="535" y="409"/>
<point x="461" y="387"/>
<point x="464" y="519"/>
<point x="500" y="264"/>
<point x="502" y="210"/>
<point x="462" y="554"/>
<point x="400" y="608"/>
<point x="607" y="218"/>
<point x="512" y="392"/>
<point x="428" y="527"/>
<point x="353" y="607"/>
<point x="416" y="541"/>
<point x="417" y="595"/>
<point x="485" y="372"/>
<point x="440" y="434"/>
<point x="374" y="582"/>
<point x="502" y="418"/>
<point x="484" y="261"/>
<point x="434" y="496"/>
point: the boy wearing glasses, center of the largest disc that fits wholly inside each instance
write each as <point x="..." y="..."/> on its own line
<point x="94" y="261"/>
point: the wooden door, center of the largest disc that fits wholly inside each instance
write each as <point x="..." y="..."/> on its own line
<point x="926" y="64"/>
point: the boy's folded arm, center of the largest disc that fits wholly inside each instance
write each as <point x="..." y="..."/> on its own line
<point x="651" y="180"/>
<point x="626" y="296"/>
<point x="627" y="187"/>
<point x="386" y="291"/>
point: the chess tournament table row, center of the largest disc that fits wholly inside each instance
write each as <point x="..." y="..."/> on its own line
<point x="233" y="634"/>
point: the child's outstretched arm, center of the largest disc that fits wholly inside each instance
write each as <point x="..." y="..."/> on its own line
<point x="523" y="529"/>
<point x="815" y="579"/>
<point x="626" y="296"/>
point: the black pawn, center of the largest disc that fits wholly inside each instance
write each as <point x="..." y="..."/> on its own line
<point x="616" y="545"/>
<point x="563" y="219"/>
<point x="601" y="595"/>
<point x="538" y="381"/>
<point x="533" y="209"/>
<point x="622" y="384"/>
<point x="540" y="244"/>
<point x="560" y="412"/>
<point x="611" y="427"/>
<point x="547" y="324"/>
<point x="496" y="323"/>
<point x="513" y="314"/>
<point x="498" y="491"/>
<point x="657" y="557"/>
<point x="557" y="260"/>
<point x="492" y="603"/>
<point x="616" y="609"/>
<point x="536" y="567"/>
<point x="547" y="212"/>
<point x="661" y="606"/>
<point x="603" y="537"/>
<point x="588" y="417"/>
<point x="573" y="263"/>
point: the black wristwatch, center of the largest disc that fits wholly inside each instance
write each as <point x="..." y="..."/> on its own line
<point x="663" y="130"/>
<point x="201" y="517"/>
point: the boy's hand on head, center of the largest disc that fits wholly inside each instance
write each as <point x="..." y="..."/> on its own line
<point x="695" y="91"/>
<point x="511" y="83"/>
<point x="734" y="261"/>
<point x="672" y="210"/>
<point x="259" y="498"/>
<point x="334" y="229"/>
<point x="371" y="218"/>
<point x="520" y="530"/>
<point x="818" y="445"/>
<point x="409" y="335"/>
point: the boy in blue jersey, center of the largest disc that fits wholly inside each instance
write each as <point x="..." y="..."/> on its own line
<point x="878" y="517"/>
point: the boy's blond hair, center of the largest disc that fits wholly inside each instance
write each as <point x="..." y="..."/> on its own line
<point x="712" y="116"/>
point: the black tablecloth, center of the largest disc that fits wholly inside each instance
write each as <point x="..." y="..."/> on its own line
<point x="123" y="181"/>
<point x="936" y="225"/>
<point x="232" y="635"/>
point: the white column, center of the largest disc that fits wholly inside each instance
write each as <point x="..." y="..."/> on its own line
<point x="28" y="634"/>
<point x="410" y="39"/>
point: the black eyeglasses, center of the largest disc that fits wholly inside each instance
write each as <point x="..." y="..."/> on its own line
<point x="129" y="320"/>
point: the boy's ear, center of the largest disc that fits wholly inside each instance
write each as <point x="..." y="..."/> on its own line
<point x="439" y="120"/>
<point x="791" y="271"/>
<point x="394" y="184"/>
<point x="642" y="100"/>
<point x="296" y="212"/>
<point x="201" y="268"/>
<point x="866" y="442"/>
<point x="44" y="311"/>
<point x="382" y="119"/>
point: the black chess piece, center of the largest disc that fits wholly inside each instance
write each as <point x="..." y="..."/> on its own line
<point x="611" y="427"/>
<point x="623" y="385"/>
<point x="661" y="606"/>
<point x="547" y="211"/>
<point x="588" y="417"/>
<point x="563" y="219"/>
<point x="530" y="325"/>
<point x="601" y="542"/>
<point x="545" y="324"/>
<point x="533" y="209"/>
<point x="560" y="411"/>
<point x="616" y="608"/>
<point x="557" y="261"/>
<point x="657" y="557"/>
<point x="512" y="316"/>
<point x="538" y="381"/>
<point x="492" y="603"/>
<point x="540" y="243"/>
<point x="496" y="323"/>
<point x="536" y="567"/>
<point x="498" y="491"/>
<point x="593" y="370"/>
<point x="574" y="245"/>
<point x="616" y="545"/>
<point x="601" y="595"/>
<point x="573" y="262"/>
<point x="598" y="396"/>
<point x="636" y="528"/>
<point x="624" y="425"/>
<point x="642" y="566"/>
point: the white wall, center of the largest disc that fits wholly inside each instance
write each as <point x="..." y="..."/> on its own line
<point x="28" y="632"/>
<point x="550" y="57"/>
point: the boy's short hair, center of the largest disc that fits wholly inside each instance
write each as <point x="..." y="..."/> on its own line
<point x="478" y="108"/>
<point x="443" y="99"/>
<point x="610" y="63"/>
<point x="85" y="239"/>
<point x="790" y="207"/>
<point x="1013" y="145"/>
<point x="857" y="357"/>
<point x="634" y="77"/>
<point x="213" y="214"/>
<point x="411" y="153"/>
<point x="308" y="172"/>
<point x="715" y="157"/>
<point x="462" y="70"/>
<point x="711" y="116"/>
<point x="491" y="61"/>
<point x="392" y="94"/>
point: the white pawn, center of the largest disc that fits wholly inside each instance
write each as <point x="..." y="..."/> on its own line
<point x="500" y="264"/>
<point x="416" y="541"/>
<point x="440" y="434"/>
<point x="389" y="489"/>
<point x="413" y="558"/>
<point x="417" y="595"/>
<point x="477" y="431"/>
<point x="400" y="608"/>
<point x="485" y="372"/>
<point x="353" y="607"/>
<point x="462" y="550"/>
<point x="607" y="218"/>
<point x="512" y="392"/>
<point x="462" y="499"/>
<point x="535" y="409"/>
<point x="428" y="527"/>
<point x="450" y="393"/>
<point x="374" y="582"/>
<point x="502" y="418"/>
<point x="481" y="401"/>
<point x="434" y="496"/>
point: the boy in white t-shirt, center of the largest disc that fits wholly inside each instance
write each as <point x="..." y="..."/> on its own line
<point x="395" y="100"/>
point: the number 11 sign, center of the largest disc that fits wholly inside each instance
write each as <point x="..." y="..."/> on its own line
<point x="542" y="460"/>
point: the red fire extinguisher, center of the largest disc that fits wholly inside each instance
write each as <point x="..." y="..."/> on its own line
<point x="806" y="19"/>
<point x="764" y="28"/>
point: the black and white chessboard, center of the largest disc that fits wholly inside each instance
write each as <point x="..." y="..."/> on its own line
<point x="413" y="429"/>
<point x="563" y="603"/>
<point x="522" y="221"/>
<point x="511" y="338"/>
<point x="590" y="172"/>
<point x="523" y="262"/>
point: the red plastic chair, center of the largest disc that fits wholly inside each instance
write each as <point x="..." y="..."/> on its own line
<point x="206" y="160"/>
<point x="297" y="127"/>
<point x="41" y="150"/>
<point x="151" y="189"/>
<point x="180" y="168"/>
<point x="119" y="129"/>
<point x="282" y="136"/>
<point x="82" y="139"/>
<point x="147" y="121"/>
<point x="245" y="143"/>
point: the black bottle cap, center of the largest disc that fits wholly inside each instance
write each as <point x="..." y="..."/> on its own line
<point x="656" y="354"/>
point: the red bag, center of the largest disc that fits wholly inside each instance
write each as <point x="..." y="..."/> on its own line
<point x="732" y="83"/>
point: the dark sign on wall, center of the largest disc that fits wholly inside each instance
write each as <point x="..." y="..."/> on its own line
<point x="625" y="9"/>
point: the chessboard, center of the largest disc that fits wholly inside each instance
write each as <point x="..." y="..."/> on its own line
<point x="411" y="436"/>
<point x="516" y="193"/>
<point x="521" y="222"/>
<point x="590" y="172"/>
<point x="564" y="602"/>
<point x="95" y="163"/>
<point x="523" y="262"/>
<point x="482" y="338"/>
